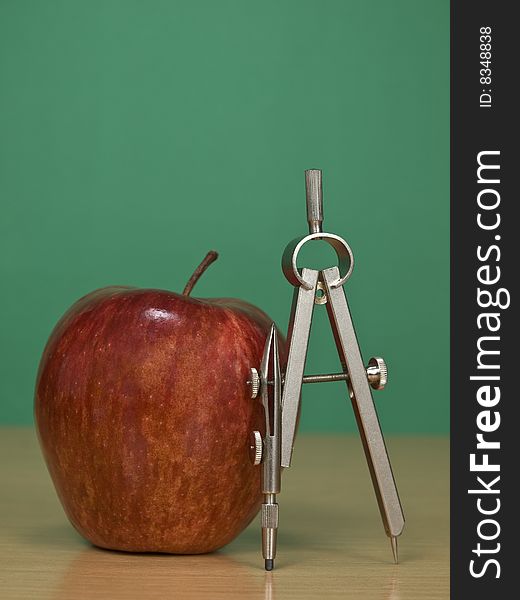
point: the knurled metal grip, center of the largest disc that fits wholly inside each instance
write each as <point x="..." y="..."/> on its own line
<point x="377" y="373"/>
<point x="269" y="516"/>
<point x="255" y="448"/>
<point x="254" y="382"/>
<point x="314" y="192"/>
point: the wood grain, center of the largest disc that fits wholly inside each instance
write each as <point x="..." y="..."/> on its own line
<point x="331" y="541"/>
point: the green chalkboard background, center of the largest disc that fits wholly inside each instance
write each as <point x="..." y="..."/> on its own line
<point x="135" y="136"/>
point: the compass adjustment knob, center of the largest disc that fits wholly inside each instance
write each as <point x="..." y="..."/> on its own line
<point x="255" y="447"/>
<point x="254" y="382"/>
<point x="377" y="373"/>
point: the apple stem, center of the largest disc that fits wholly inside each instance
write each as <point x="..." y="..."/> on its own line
<point x="210" y="257"/>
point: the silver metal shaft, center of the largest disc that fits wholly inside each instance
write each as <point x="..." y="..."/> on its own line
<point x="372" y="376"/>
<point x="314" y="192"/>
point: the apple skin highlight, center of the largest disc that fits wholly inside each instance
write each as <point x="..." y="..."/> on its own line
<point x="144" y="415"/>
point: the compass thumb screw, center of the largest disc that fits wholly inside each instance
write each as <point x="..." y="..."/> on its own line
<point x="254" y="382"/>
<point x="255" y="447"/>
<point x="377" y="373"/>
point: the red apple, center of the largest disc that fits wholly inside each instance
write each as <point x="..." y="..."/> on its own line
<point x="144" y="414"/>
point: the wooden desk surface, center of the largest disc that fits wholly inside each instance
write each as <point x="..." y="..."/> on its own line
<point x="331" y="541"/>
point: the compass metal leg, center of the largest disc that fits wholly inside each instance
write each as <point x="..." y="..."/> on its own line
<point x="298" y="339"/>
<point x="363" y="404"/>
<point x="271" y="450"/>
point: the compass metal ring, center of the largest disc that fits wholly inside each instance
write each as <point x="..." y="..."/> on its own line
<point x="343" y="252"/>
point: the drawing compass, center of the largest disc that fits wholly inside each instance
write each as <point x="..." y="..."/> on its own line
<point x="280" y="393"/>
